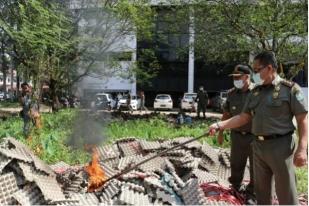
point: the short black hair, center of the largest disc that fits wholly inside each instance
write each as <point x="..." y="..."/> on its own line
<point x="266" y="58"/>
<point x="24" y="84"/>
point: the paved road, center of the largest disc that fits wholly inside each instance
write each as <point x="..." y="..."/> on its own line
<point x="44" y="108"/>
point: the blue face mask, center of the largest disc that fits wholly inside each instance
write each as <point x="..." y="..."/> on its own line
<point x="257" y="79"/>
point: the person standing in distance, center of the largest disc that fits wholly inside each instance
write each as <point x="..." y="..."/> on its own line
<point x="202" y="101"/>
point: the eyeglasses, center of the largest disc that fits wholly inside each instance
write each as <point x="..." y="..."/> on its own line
<point x="257" y="70"/>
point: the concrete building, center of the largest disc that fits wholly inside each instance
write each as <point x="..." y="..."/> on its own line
<point x="10" y="83"/>
<point x="180" y="72"/>
<point x="110" y="53"/>
<point x="91" y="16"/>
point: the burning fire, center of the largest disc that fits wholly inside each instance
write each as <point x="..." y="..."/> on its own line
<point x="95" y="172"/>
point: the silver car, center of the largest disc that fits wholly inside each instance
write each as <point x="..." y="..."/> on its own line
<point x="135" y="102"/>
<point x="218" y="101"/>
<point x="188" y="102"/>
<point x="163" y="101"/>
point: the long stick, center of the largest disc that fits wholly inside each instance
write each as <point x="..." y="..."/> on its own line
<point x="150" y="158"/>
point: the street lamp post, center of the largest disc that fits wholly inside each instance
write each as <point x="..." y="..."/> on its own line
<point x="191" y="53"/>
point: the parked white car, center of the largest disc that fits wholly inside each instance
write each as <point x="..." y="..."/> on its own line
<point x="135" y="102"/>
<point x="163" y="101"/>
<point x="188" y="102"/>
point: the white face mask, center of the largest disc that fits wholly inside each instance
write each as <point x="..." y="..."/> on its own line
<point x="239" y="84"/>
<point x="257" y="79"/>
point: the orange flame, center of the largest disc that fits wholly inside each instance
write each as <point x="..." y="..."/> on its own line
<point x="95" y="172"/>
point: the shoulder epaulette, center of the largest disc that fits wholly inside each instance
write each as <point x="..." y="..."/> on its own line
<point x="287" y="83"/>
<point x="230" y="91"/>
<point x="252" y="86"/>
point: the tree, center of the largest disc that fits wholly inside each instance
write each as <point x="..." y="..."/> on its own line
<point x="230" y="30"/>
<point x="49" y="47"/>
<point x="4" y="63"/>
<point x="276" y="25"/>
<point x="6" y="46"/>
<point x="100" y="42"/>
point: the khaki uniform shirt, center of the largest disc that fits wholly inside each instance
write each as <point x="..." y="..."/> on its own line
<point x="234" y="104"/>
<point x="272" y="107"/>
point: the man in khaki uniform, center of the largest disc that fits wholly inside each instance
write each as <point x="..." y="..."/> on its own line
<point x="271" y="106"/>
<point x="241" y="137"/>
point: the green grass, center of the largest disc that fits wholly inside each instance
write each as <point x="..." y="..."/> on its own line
<point x="158" y="128"/>
<point x="302" y="180"/>
<point x="49" y="142"/>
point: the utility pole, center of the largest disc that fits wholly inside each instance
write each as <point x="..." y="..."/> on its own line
<point x="191" y="52"/>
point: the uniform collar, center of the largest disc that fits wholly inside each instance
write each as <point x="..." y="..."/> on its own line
<point x="276" y="81"/>
<point x="251" y="86"/>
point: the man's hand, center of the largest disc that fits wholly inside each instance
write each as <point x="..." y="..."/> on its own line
<point x="220" y="138"/>
<point x="213" y="129"/>
<point x="300" y="157"/>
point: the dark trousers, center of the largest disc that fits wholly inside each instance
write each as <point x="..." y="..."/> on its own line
<point x="240" y="152"/>
<point x="26" y="128"/>
<point x="201" y="107"/>
<point x="274" y="159"/>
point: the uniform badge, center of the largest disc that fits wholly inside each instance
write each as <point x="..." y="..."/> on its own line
<point x="233" y="107"/>
<point x="256" y="93"/>
<point x="277" y="88"/>
<point x="275" y="95"/>
<point x="299" y="96"/>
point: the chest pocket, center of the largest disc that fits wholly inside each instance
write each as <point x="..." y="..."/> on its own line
<point x="252" y="103"/>
<point x="236" y="108"/>
<point x="276" y="103"/>
<point x="277" y="107"/>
